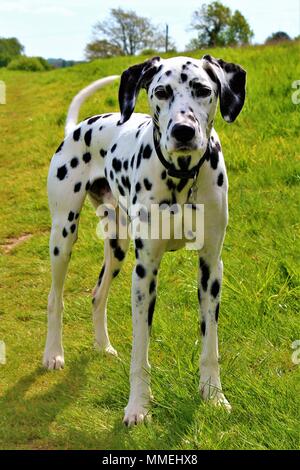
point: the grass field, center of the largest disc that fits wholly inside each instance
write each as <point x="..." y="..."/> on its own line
<point x="82" y="406"/>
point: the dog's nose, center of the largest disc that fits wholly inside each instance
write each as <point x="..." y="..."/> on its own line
<point x="183" y="133"/>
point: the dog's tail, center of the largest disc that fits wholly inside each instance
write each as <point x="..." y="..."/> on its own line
<point x="79" y="99"/>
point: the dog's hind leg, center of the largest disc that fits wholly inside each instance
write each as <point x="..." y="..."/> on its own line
<point x="65" y="219"/>
<point x="114" y="252"/>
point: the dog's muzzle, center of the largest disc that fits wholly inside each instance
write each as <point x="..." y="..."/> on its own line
<point x="183" y="134"/>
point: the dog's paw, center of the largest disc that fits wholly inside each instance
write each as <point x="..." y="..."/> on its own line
<point x="221" y="400"/>
<point x="53" y="361"/>
<point x="135" y="414"/>
<point x="214" y="395"/>
<point x="106" y="349"/>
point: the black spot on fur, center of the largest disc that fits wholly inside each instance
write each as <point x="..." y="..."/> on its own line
<point x="220" y="180"/>
<point x="203" y="328"/>
<point x="121" y="190"/>
<point x="152" y="286"/>
<point x="87" y="157"/>
<point x="101" y="275"/>
<point x="119" y="254"/>
<point x="125" y="165"/>
<point x="151" y="311"/>
<point x="73" y="228"/>
<point x="138" y="187"/>
<point x="87" y="186"/>
<point x="76" y="134"/>
<point x="215" y="289"/>
<point x="147" y="184"/>
<point x="113" y="243"/>
<point x="56" y="251"/>
<point x="74" y="162"/>
<point x="132" y="161"/>
<point x="93" y="119"/>
<point x="88" y="137"/>
<point x="147" y="152"/>
<point x="77" y="187"/>
<point x="64" y="233"/>
<point x="60" y="147"/>
<point x="140" y="270"/>
<point x="126" y="182"/>
<point x="139" y="244"/>
<point x="103" y="153"/>
<point x="181" y="185"/>
<point x="62" y="172"/>
<point x="184" y="162"/>
<point x="184" y="77"/>
<point x="139" y="157"/>
<point x="171" y="185"/>
<point x="117" y="165"/>
<point x="214" y="158"/>
<point x="113" y="148"/>
<point x="164" y="175"/>
<point x="205" y="274"/>
<point x="104" y="116"/>
<point x="199" y="296"/>
<point x="71" y="216"/>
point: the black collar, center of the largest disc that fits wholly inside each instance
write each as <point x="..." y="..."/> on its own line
<point x="172" y="171"/>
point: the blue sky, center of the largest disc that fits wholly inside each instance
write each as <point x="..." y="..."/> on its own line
<point x="62" y="28"/>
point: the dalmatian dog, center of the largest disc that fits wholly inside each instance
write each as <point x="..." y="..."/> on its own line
<point x="170" y="156"/>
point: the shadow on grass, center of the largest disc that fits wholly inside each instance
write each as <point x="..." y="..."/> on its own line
<point x="31" y="421"/>
<point x="26" y="420"/>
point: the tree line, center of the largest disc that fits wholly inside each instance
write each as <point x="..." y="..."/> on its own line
<point x="126" y="33"/>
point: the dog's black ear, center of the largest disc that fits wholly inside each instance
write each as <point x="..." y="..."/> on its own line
<point x="132" y="80"/>
<point x="231" y="81"/>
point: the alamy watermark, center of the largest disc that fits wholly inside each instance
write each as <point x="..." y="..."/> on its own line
<point x="2" y="92"/>
<point x="175" y="222"/>
<point x="296" y="93"/>
<point x="2" y="353"/>
<point x="296" y="354"/>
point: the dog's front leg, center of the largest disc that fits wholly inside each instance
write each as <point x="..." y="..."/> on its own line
<point x="143" y="293"/>
<point x="209" y="294"/>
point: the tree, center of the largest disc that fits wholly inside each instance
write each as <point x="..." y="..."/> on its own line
<point x="239" y="31"/>
<point x="217" y="26"/>
<point x="9" y="49"/>
<point x="278" y="37"/>
<point x="102" y="48"/>
<point x="127" y="32"/>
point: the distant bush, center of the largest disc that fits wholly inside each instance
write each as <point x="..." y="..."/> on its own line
<point x="149" y="51"/>
<point x="30" y="64"/>
<point x="280" y="36"/>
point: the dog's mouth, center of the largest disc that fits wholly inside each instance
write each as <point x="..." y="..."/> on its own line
<point x="184" y="148"/>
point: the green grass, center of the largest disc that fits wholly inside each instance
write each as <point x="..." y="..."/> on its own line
<point x="82" y="406"/>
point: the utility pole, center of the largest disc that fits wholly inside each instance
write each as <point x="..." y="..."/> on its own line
<point x="167" y="37"/>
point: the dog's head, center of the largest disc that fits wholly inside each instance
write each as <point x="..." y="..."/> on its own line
<point x="183" y="94"/>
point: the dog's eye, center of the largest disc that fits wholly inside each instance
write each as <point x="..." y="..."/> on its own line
<point x="202" y="92"/>
<point x="161" y="93"/>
